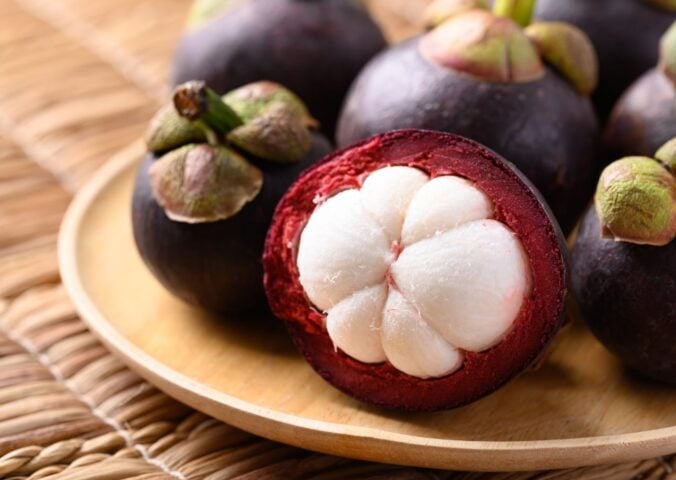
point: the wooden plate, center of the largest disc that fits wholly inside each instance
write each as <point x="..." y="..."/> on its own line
<point x="579" y="408"/>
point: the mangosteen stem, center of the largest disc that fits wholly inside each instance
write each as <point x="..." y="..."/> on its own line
<point x="198" y="103"/>
<point x="521" y="11"/>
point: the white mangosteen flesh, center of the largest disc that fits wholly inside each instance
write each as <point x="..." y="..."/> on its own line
<point x="413" y="271"/>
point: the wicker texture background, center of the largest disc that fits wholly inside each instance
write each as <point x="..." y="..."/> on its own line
<point x="78" y="81"/>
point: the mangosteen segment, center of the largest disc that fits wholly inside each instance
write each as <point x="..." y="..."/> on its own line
<point x="416" y="270"/>
<point x="416" y="262"/>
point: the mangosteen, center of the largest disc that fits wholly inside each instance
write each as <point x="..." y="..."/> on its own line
<point x="625" y="34"/>
<point x="645" y="116"/>
<point x="313" y="47"/>
<point x="624" y="263"/>
<point x="480" y="74"/>
<point x="416" y="270"/>
<point x="206" y="191"/>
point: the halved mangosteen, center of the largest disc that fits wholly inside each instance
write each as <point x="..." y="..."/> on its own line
<point x="205" y="193"/>
<point x="416" y="270"/>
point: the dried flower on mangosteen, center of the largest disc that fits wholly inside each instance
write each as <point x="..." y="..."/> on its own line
<point x="624" y="263"/>
<point x="645" y="116"/>
<point x="625" y="35"/>
<point x="314" y="48"/>
<point x="518" y="88"/>
<point x="416" y="270"/>
<point x="205" y="193"/>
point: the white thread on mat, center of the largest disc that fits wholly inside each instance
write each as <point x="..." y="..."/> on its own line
<point x="114" y="424"/>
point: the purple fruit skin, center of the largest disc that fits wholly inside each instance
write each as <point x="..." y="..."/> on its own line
<point x="544" y="127"/>
<point x="314" y="48"/>
<point x="625" y="34"/>
<point x="214" y="265"/>
<point x="627" y="295"/>
<point x="644" y="118"/>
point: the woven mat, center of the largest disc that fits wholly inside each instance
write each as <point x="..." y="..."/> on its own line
<point x="78" y="81"/>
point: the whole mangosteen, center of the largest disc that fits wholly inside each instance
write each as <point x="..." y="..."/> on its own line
<point x="313" y="47"/>
<point x="624" y="263"/>
<point x="481" y="74"/>
<point x="206" y="191"/>
<point x="645" y="116"/>
<point x="416" y="270"/>
<point x="625" y="34"/>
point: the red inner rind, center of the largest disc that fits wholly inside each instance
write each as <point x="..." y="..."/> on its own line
<point x="517" y="205"/>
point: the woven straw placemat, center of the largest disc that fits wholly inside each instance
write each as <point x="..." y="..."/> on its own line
<point x="78" y="81"/>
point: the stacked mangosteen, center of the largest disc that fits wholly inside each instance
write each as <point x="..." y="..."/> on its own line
<point x="419" y="267"/>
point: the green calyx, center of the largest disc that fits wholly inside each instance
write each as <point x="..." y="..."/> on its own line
<point x="199" y="183"/>
<point x="669" y="5"/>
<point x="483" y="45"/>
<point x="203" y="11"/>
<point x="503" y="45"/>
<point x="276" y="122"/>
<point x="439" y="11"/>
<point x="668" y="53"/>
<point x="200" y="176"/>
<point x="168" y="130"/>
<point x="569" y="51"/>
<point x="636" y="201"/>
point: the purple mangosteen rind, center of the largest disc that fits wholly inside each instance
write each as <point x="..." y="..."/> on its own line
<point x="547" y="129"/>
<point x="313" y="48"/>
<point x="627" y="296"/>
<point x="435" y="153"/>
<point x="622" y="56"/>
<point x="644" y="117"/>
<point x="215" y="265"/>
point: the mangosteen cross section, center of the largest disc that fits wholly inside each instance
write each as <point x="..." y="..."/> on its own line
<point x="413" y="271"/>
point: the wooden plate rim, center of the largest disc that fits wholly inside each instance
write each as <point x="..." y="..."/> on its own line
<point x="364" y="443"/>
